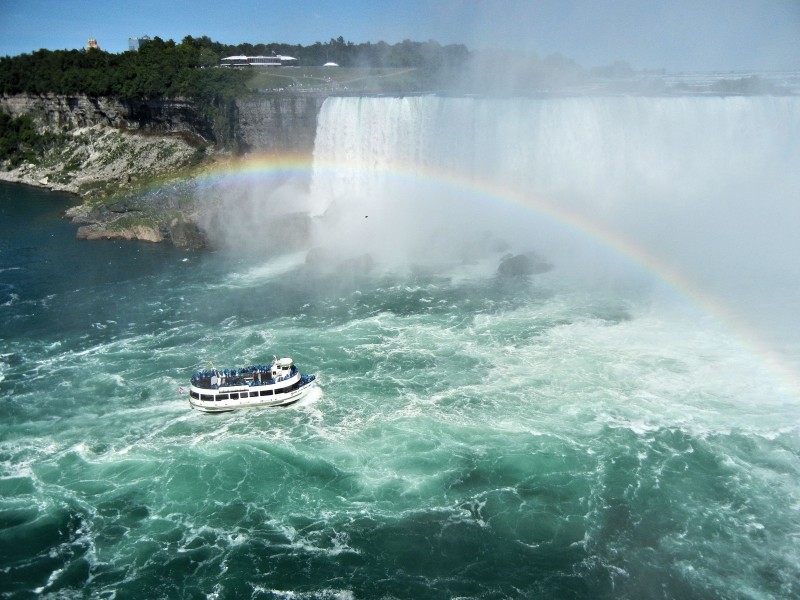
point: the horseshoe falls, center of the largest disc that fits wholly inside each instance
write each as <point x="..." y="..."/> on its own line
<point x="558" y="353"/>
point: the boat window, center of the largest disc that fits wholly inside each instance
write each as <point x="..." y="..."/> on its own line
<point x="222" y="396"/>
<point x="194" y="394"/>
<point x="253" y="394"/>
<point x="266" y="392"/>
<point x="206" y="397"/>
<point x="234" y="396"/>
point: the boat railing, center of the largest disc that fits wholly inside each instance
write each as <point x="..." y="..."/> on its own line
<point x="248" y="376"/>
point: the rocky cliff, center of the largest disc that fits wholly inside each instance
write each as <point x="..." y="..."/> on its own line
<point x="271" y="123"/>
<point x="143" y="115"/>
<point x="277" y="123"/>
<point x="98" y="160"/>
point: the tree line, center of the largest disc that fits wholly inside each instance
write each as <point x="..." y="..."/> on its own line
<point x="164" y="69"/>
<point x="159" y="69"/>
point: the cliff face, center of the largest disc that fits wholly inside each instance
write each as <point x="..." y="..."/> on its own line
<point x="255" y="124"/>
<point x="277" y="123"/>
<point x="154" y="116"/>
<point x="97" y="160"/>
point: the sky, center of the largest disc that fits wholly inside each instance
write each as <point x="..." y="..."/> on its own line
<point x="676" y="35"/>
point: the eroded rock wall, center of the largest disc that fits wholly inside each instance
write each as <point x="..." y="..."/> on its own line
<point x="74" y="111"/>
<point x="259" y="123"/>
<point x="277" y="123"/>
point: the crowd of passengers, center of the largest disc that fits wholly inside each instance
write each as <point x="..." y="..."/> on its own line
<point x="256" y="375"/>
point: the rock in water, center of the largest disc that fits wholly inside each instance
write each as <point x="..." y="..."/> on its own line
<point x="520" y="265"/>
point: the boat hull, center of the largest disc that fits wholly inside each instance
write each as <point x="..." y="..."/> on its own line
<point x="228" y="399"/>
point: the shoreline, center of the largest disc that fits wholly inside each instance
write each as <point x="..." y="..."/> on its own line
<point x="102" y="168"/>
<point x="92" y="225"/>
<point x="12" y="177"/>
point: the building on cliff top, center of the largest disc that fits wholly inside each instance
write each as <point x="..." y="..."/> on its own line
<point x="135" y="43"/>
<point x="276" y="60"/>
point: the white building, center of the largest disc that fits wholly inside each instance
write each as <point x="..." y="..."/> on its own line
<point x="276" y="60"/>
<point x="135" y="43"/>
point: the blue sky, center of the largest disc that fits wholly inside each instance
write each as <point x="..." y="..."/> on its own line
<point x="679" y="35"/>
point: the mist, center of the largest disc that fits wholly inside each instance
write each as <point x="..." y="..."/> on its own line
<point x="263" y="217"/>
<point x="688" y="194"/>
<point x="705" y="183"/>
<point x="678" y="36"/>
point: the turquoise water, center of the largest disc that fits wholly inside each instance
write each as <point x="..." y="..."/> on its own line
<point x="595" y="431"/>
<point x="472" y="437"/>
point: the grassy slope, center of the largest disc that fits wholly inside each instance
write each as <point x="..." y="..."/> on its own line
<point x="335" y="79"/>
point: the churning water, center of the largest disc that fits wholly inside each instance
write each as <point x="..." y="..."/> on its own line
<point x="595" y="431"/>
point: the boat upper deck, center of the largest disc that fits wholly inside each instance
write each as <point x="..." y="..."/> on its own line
<point x="257" y="375"/>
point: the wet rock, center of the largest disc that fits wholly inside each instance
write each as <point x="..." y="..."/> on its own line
<point x="137" y="232"/>
<point x="523" y="265"/>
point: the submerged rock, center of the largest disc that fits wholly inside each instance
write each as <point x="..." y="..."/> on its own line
<point x="522" y="265"/>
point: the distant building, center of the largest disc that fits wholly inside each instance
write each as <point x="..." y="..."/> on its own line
<point x="135" y="43"/>
<point x="276" y="60"/>
<point x="92" y="43"/>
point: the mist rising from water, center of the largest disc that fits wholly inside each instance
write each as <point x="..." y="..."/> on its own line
<point x="256" y="217"/>
<point x="708" y="185"/>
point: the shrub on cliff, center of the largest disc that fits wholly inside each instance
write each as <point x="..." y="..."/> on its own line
<point x="20" y="141"/>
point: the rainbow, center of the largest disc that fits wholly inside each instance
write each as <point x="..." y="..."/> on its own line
<point x="282" y="166"/>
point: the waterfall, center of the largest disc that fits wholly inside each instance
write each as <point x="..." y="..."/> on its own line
<point x="708" y="182"/>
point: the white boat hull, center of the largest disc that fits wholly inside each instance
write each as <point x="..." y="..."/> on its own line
<point x="216" y="406"/>
<point x="251" y="393"/>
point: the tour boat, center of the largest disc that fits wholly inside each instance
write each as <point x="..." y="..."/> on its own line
<point x="223" y="390"/>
